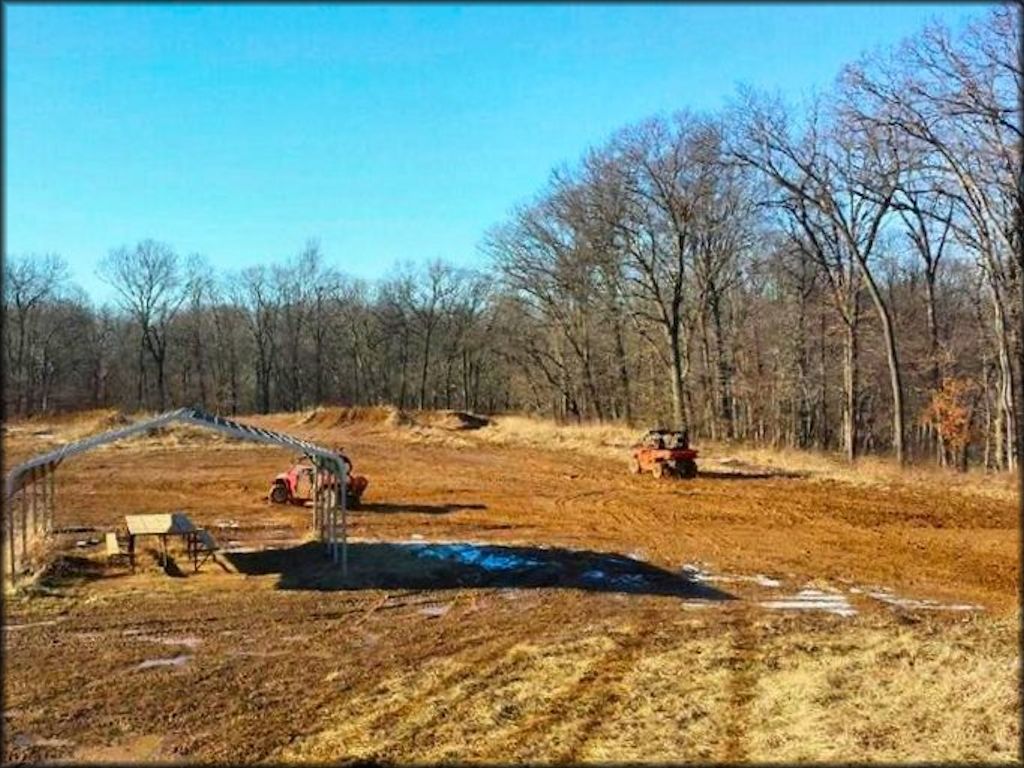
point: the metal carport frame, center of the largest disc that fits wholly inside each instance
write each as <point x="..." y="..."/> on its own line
<point x="43" y="468"/>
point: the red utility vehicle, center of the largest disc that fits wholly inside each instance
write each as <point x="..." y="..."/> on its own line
<point x="296" y="485"/>
<point x="663" y="452"/>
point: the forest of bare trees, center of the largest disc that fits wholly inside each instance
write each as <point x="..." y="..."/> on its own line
<point x="844" y="276"/>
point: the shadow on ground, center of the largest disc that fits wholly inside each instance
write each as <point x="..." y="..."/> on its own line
<point x="387" y="565"/>
<point x="419" y="509"/>
<point x="758" y="475"/>
<point x="68" y="570"/>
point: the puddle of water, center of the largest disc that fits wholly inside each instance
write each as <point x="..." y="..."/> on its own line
<point x="176" y="661"/>
<point x="813" y="600"/>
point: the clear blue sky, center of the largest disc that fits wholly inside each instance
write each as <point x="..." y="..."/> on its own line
<point x="388" y="132"/>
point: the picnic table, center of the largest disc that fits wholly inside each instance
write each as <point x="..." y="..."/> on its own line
<point x="164" y="526"/>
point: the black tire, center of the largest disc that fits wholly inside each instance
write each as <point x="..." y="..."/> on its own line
<point x="688" y="469"/>
<point x="634" y="466"/>
<point x="279" y="494"/>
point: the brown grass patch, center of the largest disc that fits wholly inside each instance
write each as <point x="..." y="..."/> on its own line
<point x="771" y="690"/>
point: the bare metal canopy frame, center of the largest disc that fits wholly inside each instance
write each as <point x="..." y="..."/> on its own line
<point x="33" y="481"/>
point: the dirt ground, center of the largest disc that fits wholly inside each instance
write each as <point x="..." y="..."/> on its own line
<point x="515" y="595"/>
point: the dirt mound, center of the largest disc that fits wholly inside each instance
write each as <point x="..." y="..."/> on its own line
<point x="174" y="435"/>
<point x="327" y="417"/>
<point x="334" y="416"/>
<point x="459" y="420"/>
<point x="68" y="427"/>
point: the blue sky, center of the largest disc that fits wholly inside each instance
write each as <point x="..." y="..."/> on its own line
<point x="392" y="132"/>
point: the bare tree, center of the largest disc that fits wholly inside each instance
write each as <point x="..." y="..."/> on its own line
<point x="29" y="283"/>
<point x="664" y="173"/>
<point x="148" y="282"/>
<point x="255" y="292"/>
<point x="837" y="183"/>
<point x="959" y="99"/>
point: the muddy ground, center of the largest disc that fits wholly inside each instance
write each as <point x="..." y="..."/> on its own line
<point x="512" y="600"/>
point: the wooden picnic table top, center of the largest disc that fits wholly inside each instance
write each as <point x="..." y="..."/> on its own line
<point x="172" y="523"/>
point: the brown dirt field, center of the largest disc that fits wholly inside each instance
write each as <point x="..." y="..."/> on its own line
<point x="602" y="648"/>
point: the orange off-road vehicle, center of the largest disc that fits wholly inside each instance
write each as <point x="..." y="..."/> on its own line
<point x="663" y="453"/>
<point x="296" y="485"/>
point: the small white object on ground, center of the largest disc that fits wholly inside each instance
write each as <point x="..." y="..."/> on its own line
<point x="47" y="622"/>
<point x="176" y="661"/>
<point x="435" y="610"/>
<point x="813" y="600"/>
<point x="189" y="642"/>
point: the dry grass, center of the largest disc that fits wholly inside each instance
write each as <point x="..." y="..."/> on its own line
<point x="613" y="441"/>
<point x="523" y="674"/>
<point x="770" y="690"/>
<point x="932" y="693"/>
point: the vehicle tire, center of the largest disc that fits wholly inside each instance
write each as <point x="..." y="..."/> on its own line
<point x="634" y="466"/>
<point x="279" y="494"/>
<point x="658" y="470"/>
<point x="688" y="468"/>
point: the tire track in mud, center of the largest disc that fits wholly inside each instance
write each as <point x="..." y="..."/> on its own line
<point x="564" y="503"/>
<point x="590" y="692"/>
<point x="616" y="515"/>
<point x="743" y="661"/>
<point x="483" y="660"/>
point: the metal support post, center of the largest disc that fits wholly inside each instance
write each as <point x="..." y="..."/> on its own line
<point x="24" y="523"/>
<point x="9" y="525"/>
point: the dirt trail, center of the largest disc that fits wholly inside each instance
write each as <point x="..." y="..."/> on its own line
<point x="577" y="613"/>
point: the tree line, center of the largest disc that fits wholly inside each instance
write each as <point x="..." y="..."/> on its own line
<point x="845" y="275"/>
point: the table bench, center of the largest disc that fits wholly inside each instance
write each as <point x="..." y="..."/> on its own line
<point x="197" y="540"/>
